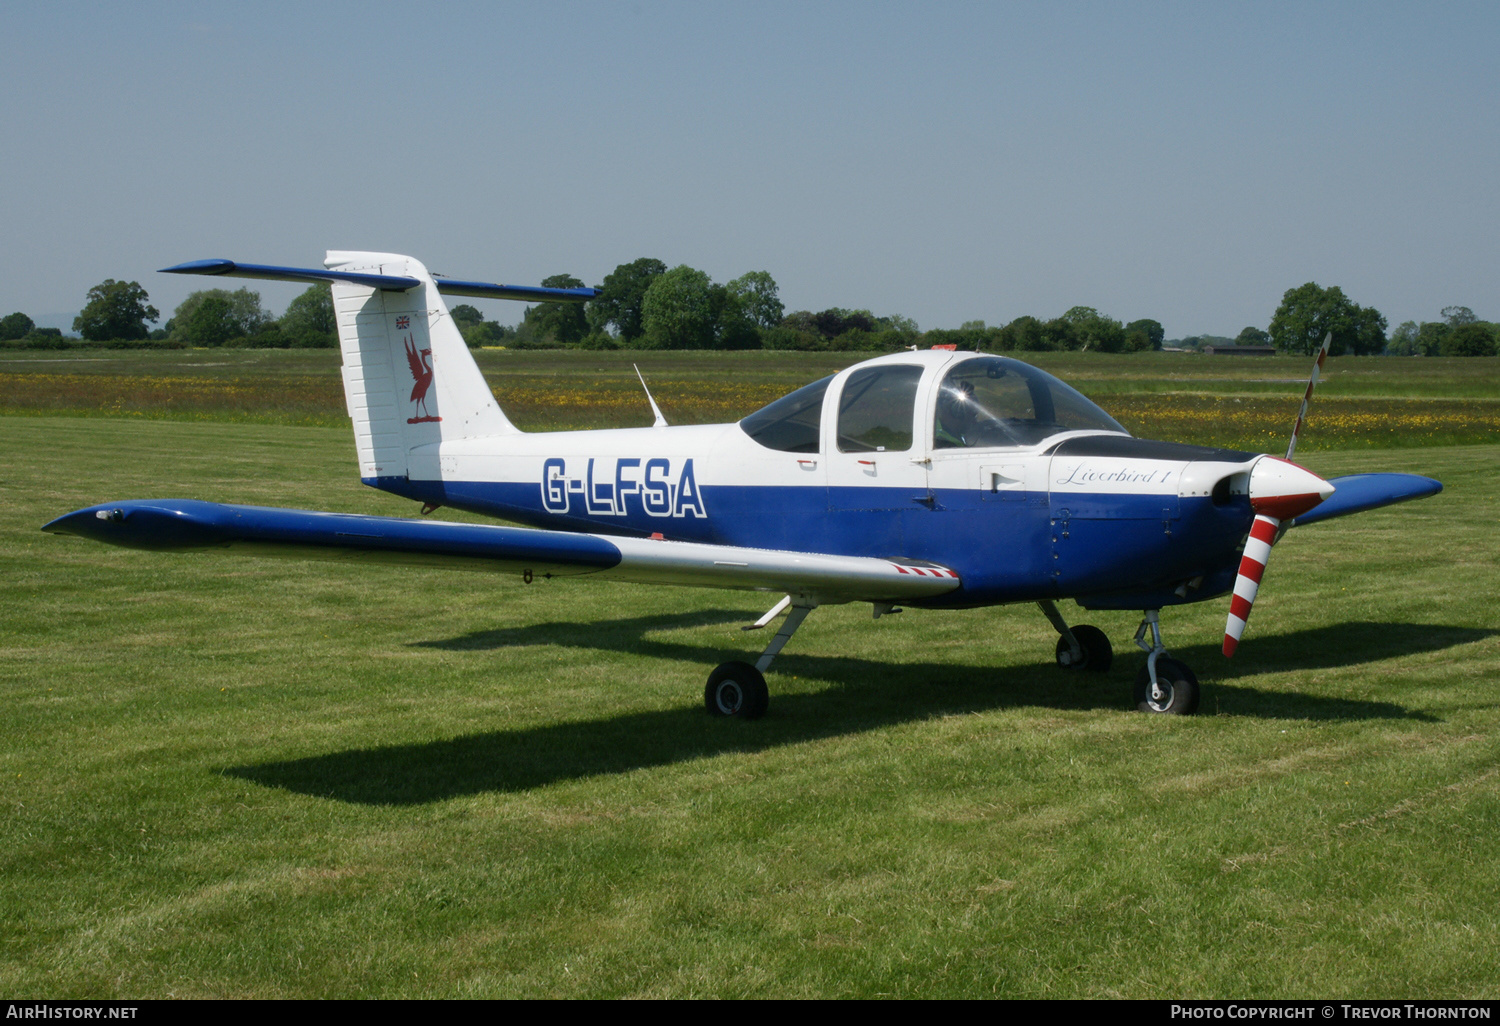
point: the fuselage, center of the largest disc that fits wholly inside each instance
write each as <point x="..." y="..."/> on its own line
<point x="1023" y="486"/>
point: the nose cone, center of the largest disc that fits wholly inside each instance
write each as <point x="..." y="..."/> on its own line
<point x="1281" y="489"/>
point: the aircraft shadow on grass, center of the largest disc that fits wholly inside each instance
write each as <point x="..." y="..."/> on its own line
<point x="862" y="695"/>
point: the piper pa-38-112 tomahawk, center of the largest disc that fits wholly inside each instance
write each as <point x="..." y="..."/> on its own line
<point x="939" y="480"/>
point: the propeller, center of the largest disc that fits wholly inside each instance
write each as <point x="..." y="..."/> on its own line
<point x="1279" y="491"/>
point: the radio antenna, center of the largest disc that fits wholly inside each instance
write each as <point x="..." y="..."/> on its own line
<point x="660" y="420"/>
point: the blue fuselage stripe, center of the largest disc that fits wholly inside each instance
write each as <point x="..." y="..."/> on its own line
<point x="1029" y="546"/>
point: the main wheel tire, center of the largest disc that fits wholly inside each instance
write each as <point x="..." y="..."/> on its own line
<point x="1181" y="687"/>
<point x="736" y="689"/>
<point x="1097" y="653"/>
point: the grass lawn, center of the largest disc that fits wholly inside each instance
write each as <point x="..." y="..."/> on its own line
<point x="227" y="777"/>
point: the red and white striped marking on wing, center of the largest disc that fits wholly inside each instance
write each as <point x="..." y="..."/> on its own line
<point x="920" y="571"/>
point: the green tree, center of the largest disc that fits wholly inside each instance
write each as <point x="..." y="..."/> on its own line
<point x="310" y="314"/>
<point x="17" y="325"/>
<point x="1060" y="334"/>
<point x="466" y="316"/>
<point x="756" y="296"/>
<point x="1474" y="338"/>
<point x="1094" y="330"/>
<point x="1431" y="336"/>
<point x="1458" y="316"/>
<point x="786" y="336"/>
<point x="208" y="322"/>
<point x="1252" y="336"/>
<point x="1154" y="332"/>
<point x="115" y="309"/>
<point x="557" y="323"/>
<point x="1403" y="341"/>
<point x="1028" y="334"/>
<point x="737" y="327"/>
<point x="621" y="296"/>
<point x="678" y="312"/>
<point x="1309" y="312"/>
<point x="1024" y="334"/>
<point x="215" y="316"/>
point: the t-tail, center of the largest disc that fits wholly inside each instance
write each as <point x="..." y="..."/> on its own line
<point x="409" y="378"/>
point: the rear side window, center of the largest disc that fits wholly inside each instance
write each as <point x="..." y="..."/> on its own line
<point x="791" y="423"/>
<point x="876" y="409"/>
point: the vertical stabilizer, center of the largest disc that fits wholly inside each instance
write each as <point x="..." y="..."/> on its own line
<point x="409" y="379"/>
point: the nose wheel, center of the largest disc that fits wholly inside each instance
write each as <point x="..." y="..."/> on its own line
<point x="1174" y="692"/>
<point x="1163" y="685"/>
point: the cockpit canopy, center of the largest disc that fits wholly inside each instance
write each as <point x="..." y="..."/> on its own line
<point x="979" y="402"/>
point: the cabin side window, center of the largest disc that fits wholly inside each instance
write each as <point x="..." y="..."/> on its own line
<point x="793" y="422"/>
<point x="876" y="409"/>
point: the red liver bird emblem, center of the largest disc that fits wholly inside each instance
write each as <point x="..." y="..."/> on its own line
<point x="421" y="376"/>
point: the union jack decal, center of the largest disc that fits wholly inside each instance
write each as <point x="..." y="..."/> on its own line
<point x="402" y="323"/>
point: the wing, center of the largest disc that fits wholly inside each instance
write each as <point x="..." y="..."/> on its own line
<point x="186" y="525"/>
<point x="1359" y="492"/>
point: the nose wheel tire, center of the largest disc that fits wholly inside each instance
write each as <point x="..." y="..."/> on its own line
<point x="1177" y="691"/>
<point x="736" y="689"/>
<point x="1097" y="653"/>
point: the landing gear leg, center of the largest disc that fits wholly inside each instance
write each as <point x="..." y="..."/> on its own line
<point x="739" y="689"/>
<point x="1163" y="685"/>
<point x="1078" y="648"/>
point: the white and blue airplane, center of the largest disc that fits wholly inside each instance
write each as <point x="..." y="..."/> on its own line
<point x="938" y="480"/>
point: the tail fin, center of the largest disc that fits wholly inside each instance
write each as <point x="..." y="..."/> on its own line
<point x="409" y="379"/>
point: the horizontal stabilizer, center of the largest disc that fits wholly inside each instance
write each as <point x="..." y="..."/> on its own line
<point x="524" y="293"/>
<point x="384" y="282"/>
<point x="230" y="269"/>
<point x="186" y="525"/>
<point x="1359" y="492"/>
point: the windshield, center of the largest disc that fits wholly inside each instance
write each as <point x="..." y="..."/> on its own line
<point x="997" y="401"/>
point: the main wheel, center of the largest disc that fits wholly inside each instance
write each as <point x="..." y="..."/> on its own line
<point x="1097" y="653"/>
<point x="1179" y="689"/>
<point x="736" y="689"/>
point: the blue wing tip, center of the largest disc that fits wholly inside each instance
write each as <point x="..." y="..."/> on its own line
<point x="219" y="266"/>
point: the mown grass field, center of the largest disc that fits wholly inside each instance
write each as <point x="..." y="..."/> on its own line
<point x="229" y="777"/>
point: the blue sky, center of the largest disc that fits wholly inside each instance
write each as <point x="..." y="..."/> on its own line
<point x="943" y="161"/>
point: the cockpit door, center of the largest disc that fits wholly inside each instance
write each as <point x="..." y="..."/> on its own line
<point x="875" y="452"/>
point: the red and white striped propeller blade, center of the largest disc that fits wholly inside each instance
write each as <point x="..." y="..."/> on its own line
<point x="1279" y="490"/>
<point x="1252" y="566"/>
<point x="1312" y="381"/>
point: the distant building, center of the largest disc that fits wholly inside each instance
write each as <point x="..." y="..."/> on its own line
<point x="1233" y="350"/>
